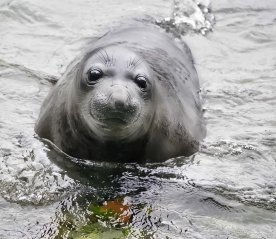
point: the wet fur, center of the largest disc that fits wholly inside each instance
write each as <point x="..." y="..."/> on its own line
<point x="177" y="126"/>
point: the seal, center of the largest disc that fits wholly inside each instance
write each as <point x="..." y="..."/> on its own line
<point x="133" y="96"/>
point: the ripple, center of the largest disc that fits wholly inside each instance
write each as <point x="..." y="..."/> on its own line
<point x="28" y="177"/>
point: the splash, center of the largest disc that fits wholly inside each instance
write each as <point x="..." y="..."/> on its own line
<point x="189" y="15"/>
<point x="28" y="177"/>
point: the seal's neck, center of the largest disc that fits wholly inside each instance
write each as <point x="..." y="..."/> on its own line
<point x="83" y="144"/>
<point x="110" y="151"/>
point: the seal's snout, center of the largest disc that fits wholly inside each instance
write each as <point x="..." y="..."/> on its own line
<point x="115" y="106"/>
<point x="120" y="101"/>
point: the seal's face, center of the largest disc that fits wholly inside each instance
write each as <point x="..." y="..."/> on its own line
<point x="117" y="88"/>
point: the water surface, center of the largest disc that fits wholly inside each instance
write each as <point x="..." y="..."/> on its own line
<point x="227" y="190"/>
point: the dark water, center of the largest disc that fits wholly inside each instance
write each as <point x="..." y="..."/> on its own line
<point x="227" y="190"/>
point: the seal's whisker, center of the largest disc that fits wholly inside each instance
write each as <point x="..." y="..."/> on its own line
<point x="131" y="63"/>
<point x="134" y="62"/>
<point x="101" y="57"/>
<point x="112" y="62"/>
<point x="108" y="59"/>
<point x="138" y="62"/>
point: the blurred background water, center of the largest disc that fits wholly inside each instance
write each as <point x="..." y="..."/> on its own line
<point x="226" y="190"/>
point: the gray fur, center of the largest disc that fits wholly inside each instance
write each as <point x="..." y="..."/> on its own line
<point x="174" y="126"/>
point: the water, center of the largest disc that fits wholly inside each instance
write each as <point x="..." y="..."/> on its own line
<point x="227" y="190"/>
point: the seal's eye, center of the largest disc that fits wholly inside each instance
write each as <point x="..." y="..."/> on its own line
<point x="93" y="76"/>
<point x="141" y="81"/>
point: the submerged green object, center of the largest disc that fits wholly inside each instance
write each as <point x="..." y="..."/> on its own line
<point x="112" y="211"/>
<point x="108" y="221"/>
<point x="96" y="231"/>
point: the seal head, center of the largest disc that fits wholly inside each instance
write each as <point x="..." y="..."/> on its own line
<point x="116" y="91"/>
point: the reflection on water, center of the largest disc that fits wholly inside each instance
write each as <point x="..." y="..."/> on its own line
<point x="227" y="190"/>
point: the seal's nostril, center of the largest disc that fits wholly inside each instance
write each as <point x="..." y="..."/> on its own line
<point x="119" y="103"/>
<point x="120" y="100"/>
